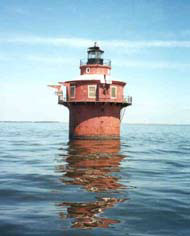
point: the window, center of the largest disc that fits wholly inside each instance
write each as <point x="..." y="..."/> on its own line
<point x="87" y="70"/>
<point x="92" y="91"/>
<point x="72" y="91"/>
<point x="113" y="92"/>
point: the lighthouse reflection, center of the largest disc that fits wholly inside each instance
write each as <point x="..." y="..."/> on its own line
<point x="94" y="166"/>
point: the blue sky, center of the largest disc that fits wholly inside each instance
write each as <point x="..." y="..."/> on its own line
<point x="148" y="41"/>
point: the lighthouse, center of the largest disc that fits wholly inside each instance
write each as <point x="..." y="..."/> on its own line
<point x="94" y="99"/>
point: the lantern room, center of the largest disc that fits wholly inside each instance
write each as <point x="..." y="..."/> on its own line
<point x="95" y="63"/>
<point x="95" y="55"/>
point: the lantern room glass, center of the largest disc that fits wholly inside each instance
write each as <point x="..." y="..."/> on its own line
<point x="95" y="55"/>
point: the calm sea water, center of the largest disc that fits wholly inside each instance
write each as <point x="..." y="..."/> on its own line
<point x="138" y="186"/>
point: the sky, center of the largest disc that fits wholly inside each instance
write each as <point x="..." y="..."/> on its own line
<point x="148" y="42"/>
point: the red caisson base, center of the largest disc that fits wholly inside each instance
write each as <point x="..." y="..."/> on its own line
<point x="94" y="121"/>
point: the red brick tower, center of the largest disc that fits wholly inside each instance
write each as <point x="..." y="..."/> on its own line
<point x="94" y="100"/>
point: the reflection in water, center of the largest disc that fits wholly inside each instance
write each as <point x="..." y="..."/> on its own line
<point x="91" y="164"/>
<point x="85" y="214"/>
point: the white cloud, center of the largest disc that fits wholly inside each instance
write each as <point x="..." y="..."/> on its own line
<point x="58" y="60"/>
<point x="146" y="44"/>
<point x="120" y="45"/>
<point x="59" y="41"/>
<point x="119" y="63"/>
<point x="185" y="109"/>
<point x="51" y="60"/>
<point x="4" y="58"/>
<point x="151" y="65"/>
<point x="81" y="42"/>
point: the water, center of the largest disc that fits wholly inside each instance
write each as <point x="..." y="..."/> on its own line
<point x="138" y="186"/>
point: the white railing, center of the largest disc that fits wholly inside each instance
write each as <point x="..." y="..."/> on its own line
<point x="106" y="62"/>
<point x="128" y="99"/>
<point x="61" y="98"/>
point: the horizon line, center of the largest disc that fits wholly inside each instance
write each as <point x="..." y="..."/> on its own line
<point x="128" y="123"/>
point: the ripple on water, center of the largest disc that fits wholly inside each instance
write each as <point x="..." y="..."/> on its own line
<point x="138" y="186"/>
